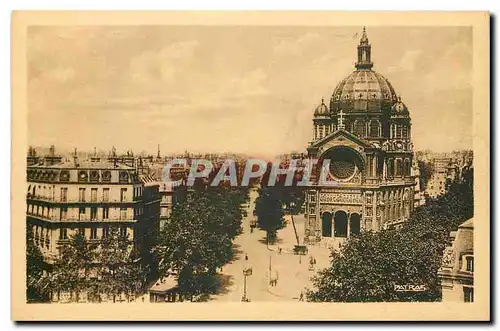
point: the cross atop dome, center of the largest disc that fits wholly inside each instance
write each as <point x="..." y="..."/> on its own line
<point x="364" y="52"/>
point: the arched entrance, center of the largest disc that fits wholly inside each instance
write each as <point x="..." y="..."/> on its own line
<point x="340" y="224"/>
<point x="326" y="227"/>
<point x="355" y="226"/>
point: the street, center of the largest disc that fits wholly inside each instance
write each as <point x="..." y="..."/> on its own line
<point x="291" y="271"/>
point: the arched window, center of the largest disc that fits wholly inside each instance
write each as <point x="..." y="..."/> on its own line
<point x="374" y="128"/>
<point x="359" y="128"/>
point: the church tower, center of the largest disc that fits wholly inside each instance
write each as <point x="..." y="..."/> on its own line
<point x="365" y="134"/>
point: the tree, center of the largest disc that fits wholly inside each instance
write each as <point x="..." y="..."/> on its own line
<point x="71" y="270"/>
<point x="119" y="267"/>
<point x="108" y="267"/>
<point x="35" y="265"/>
<point x="197" y="238"/>
<point x="368" y="266"/>
<point x="268" y="208"/>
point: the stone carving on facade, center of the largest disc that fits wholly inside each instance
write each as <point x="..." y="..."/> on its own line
<point x="368" y="197"/>
<point x="448" y="258"/>
<point x="357" y="178"/>
<point x="340" y="198"/>
<point x="385" y="145"/>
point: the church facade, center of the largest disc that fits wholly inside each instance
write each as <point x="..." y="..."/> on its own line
<point x="365" y="133"/>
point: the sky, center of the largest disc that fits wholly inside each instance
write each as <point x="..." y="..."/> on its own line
<point x="233" y="89"/>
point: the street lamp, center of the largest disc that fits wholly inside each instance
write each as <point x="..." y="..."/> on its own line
<point x="246" y="272"/>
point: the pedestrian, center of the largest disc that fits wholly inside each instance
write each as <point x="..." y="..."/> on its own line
<point x="246" y="257"/>
<point x="279" y="250"/>
<point x="301" y="298"/>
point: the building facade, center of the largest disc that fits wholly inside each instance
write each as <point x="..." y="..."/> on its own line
<point x="365" y="132"/>
<point x="457" y="269"/>
<point x="444" y="173"/>
<point x="90" y="197"/>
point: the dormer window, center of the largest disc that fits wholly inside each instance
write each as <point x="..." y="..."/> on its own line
<point x="468" y="261"/>
<point x="94" y="176"/>
<point x="106" y="176"/>
<point x="64" y="176"/>
<point x="123" y="177"/>
<point x="82" y="176"/>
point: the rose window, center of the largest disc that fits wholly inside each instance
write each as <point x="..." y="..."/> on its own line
<point x="342" y="169"/>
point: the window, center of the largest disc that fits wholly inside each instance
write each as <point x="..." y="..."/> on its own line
<point x="359" y="128"/>
<point x="469" y="263"/>
<point x="63" y="234"/>
<point x="105" y="194"/>
<point x="399" y="167"/>
<point x="81" y="196"/>
<point x="123" y="231"/>
<point x="369" y="165"/>
<point x="468" y="294"/>
<point x="374" y="126"/>
<point x="42" y="241"/>
<point x="64" y="194"/>
<point x="93" y="233"/>
<point x="105" y="213"/>
<point x="123" y="213"/>
<point x="81" y="213"/>
<point x="406" y="170"/>
<point x="123" y="194"/>
<point x="93" y="195"/>
<point x="93" y="213"/>
<point x="405" y="131"/>
<point x="399" y="130"/>
<point x="64" y="213"/>
<point x="105" y="231"/>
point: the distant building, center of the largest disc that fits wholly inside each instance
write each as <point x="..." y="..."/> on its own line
<point x="90" y="196"/>
<point x="444" y="173"/>
<point x="171" y="194"/>
<point x="457" y="269"/>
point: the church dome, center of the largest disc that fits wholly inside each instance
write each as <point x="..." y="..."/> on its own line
<point x="322" y="109"/>
<point x="363" y="90"/>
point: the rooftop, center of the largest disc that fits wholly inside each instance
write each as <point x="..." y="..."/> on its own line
<point x="86" y="164"/>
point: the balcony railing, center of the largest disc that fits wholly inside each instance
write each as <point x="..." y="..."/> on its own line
<point x="81" y="219"/>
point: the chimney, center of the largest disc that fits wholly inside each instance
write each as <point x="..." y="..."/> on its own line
<point x="75" y="158"/>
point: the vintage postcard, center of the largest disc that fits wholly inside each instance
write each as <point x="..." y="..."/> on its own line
<point x="250" y="166"/>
